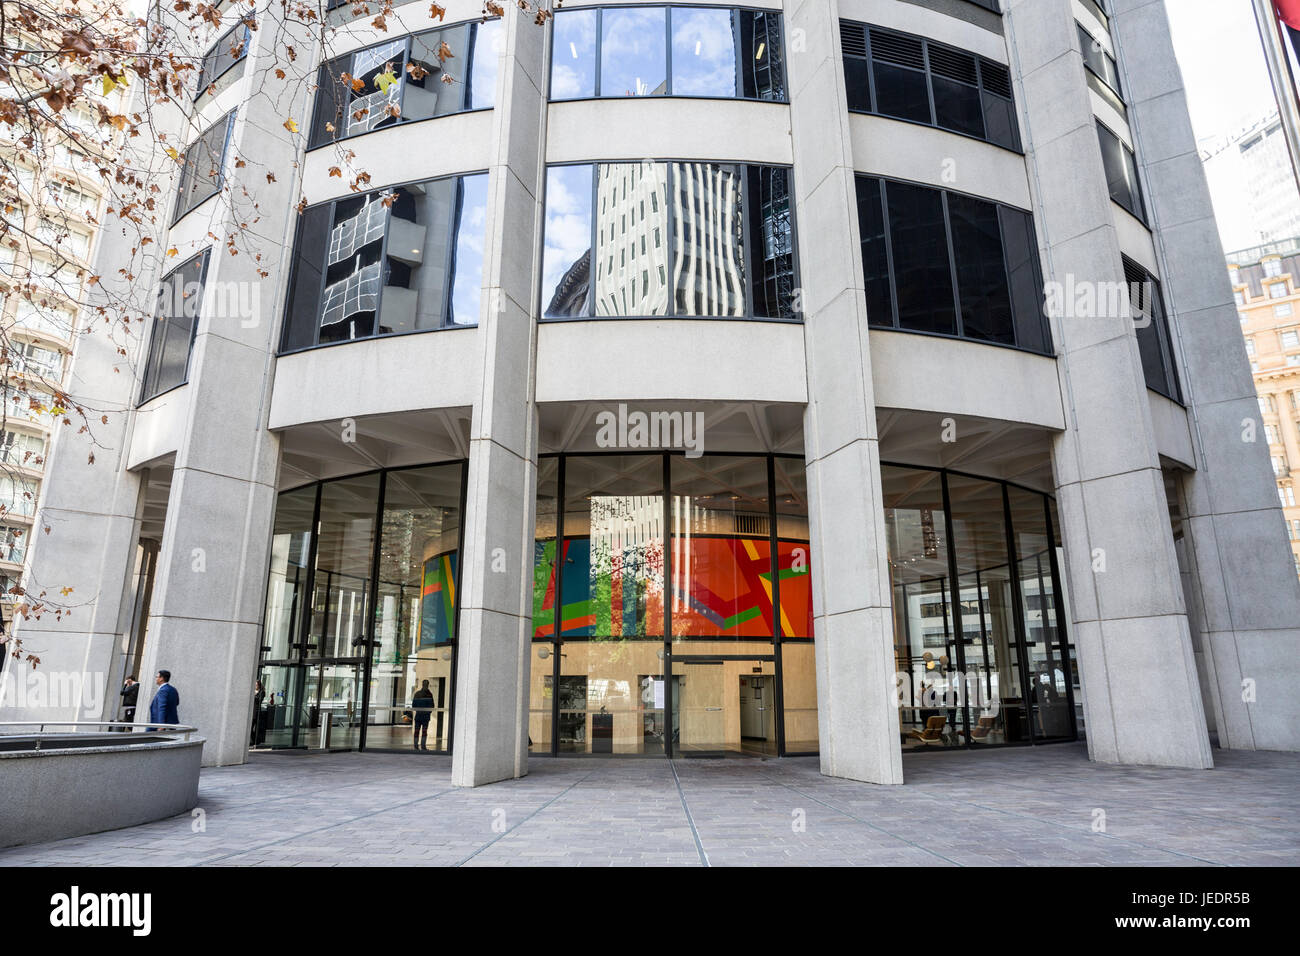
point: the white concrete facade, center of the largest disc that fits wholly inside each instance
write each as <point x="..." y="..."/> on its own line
<point x="1155" y="613"/>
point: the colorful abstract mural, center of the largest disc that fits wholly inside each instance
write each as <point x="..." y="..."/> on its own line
<point x="438" y="600"/>
<point x="722" y="588"/>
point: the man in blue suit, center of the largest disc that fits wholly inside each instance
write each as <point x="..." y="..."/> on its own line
<point x="162" y="709"/>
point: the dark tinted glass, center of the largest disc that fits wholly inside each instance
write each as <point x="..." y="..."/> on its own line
<point x="202" y="166"/>
<point x="175" y="314"/>
<point x="920" y="252"/>
<point x="1000" y="121"/>
<point x="875" y="254"/>
<point x="225" y="53"/>
<point x="1121" y="171"/>
<point x="762" y="52"/>
<point x="981" y="273"/>
<point x="857" y="83"/>
<point x="901" y="92"/>
<point x="771" y="242"/>
<point x="957" y="107"/>
<point x="304" y="295"/>
<point x="1025" y="279"/>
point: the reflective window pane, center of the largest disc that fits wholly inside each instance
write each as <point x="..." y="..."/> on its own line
<point x="611" y="697"/>
<point x="203" y="165"/>
<point x="722" y="551"/>
<point x="708" y="240"/>
<point x="344" y="549"/>
<point x="704" y="52"/>
<point x="467" y="267"/>
<point x="613" y="556"/>
<point x="435" y="81"/>
<point x="566" y="255"/>
<point x="415" y="612"/>
<point x="631" y="239"/>
<point x="405" y="259"/>
<point x="179" y="299"/>
<point x="998" y="708"/>
<point x="723" y="706"/>
<point x="901" y="92"/>
<point x="762" y="55"/>
<point x="633" y="52"/>
<point x="930" y="683"/>
<point x="573" y="54"/>
<point x="488" y="38"/>
<point x="1045" y="658"/>
<point x="286" y="589"/>
<point x="771" y="243"/>
<point x="799" y="697"/>
<point x="794" y="548"/>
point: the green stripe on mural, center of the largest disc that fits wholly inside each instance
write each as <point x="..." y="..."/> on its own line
<point x="741" y="618"/>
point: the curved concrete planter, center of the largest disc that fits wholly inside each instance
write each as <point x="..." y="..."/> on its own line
<point x="59" y="793"/>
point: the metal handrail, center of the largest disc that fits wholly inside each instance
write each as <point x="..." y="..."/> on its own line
<point x="130" y="726"/>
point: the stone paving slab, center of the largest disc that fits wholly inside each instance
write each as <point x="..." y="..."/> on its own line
<point x="1014" y="807"/>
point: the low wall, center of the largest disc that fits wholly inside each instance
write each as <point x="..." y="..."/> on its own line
<point x="54" y="794"/>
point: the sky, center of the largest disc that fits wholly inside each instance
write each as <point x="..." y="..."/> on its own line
<point x="1218" y="50"/>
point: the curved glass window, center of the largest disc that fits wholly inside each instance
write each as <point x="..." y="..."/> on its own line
<point x="912" y="78"/>
<point x="175" y="318"/>
<point x="403" y="259"/>
<point x="1121" y="172"/>
<point x="203" y="166"/>
<point x="667" y="51"/>
<point x="359" y="639"/>
<point x="435" y="73"/>
<point x="666" y="588"/>
<point x="950" y="264"/>
<point x="982" y="658"/>
<point x="224" y="55"/>
<point x="686" y="239"/>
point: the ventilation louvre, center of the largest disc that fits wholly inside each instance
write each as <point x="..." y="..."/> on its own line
<point x="893" y="48"/>
<point x="853" y="39"/>
<point x="996" y="77"/>
<point x="952" y="64"/>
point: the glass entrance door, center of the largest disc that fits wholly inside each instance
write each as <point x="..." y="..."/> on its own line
<point x="723" y="705"/>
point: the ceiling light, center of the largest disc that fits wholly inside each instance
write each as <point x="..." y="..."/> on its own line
<point x="759" y="54"/>
<point x="574" y="50"/>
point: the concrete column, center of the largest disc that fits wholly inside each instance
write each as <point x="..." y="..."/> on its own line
<point x="210" y="589"/>
<point x="1247" y="602"/>
<point x="857" y="714"/>
<point x="491" y="706"/>
<point x="1142" y="700"/>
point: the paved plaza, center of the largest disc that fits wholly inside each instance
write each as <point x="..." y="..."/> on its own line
<point x="1039" y="806"/>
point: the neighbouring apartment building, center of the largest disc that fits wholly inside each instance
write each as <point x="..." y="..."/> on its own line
<point x="1268" y="301"/>
<point x="851" y="378"/>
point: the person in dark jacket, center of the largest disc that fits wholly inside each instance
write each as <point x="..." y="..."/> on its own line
<point x="163" y="707"/>
<point x="130" y="694"/>
<point x="422" y="704"/>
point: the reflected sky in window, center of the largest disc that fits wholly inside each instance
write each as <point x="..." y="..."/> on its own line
<point x="704" y="53"/>
<point x="471" y="231"/>
<point x="568" y="239"/>
<point x="487" y="48"/>
<point x="633" y="54"/>
<point x="573" y="56"/>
